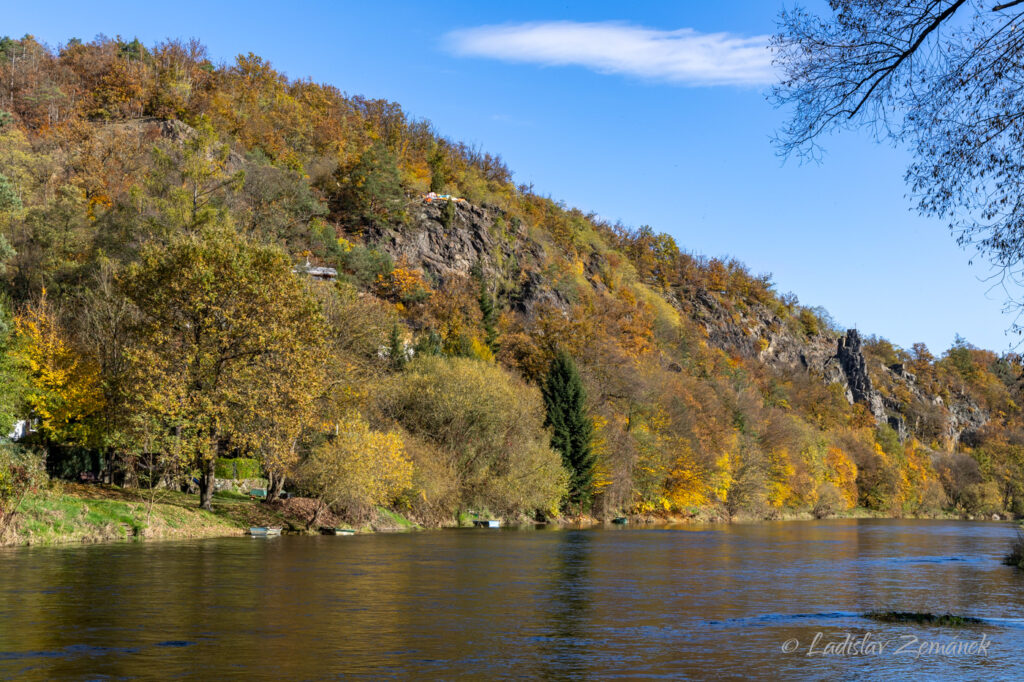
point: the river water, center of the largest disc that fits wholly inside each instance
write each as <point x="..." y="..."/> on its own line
<point x="673" y="602"/>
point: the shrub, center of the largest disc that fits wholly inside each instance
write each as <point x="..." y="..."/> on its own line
<point x="21" y="471"/>
<point x="830" y="501"/>
<point x="365" y="265"/>
<point x="238" y="468"/>
<point x="356" y="468"/>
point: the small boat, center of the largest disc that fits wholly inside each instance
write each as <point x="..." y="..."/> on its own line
<point x="263" y="531"/>
<point x="620" y="520"/>
<point x="341" y="531"/>
<point x="485" y="523"/>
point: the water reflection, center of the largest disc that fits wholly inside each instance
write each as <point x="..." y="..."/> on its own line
<point x="565" y="649"/>
<point x="687" y="602"/>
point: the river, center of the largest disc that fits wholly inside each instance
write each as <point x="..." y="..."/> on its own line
<point x="676" y="602"/>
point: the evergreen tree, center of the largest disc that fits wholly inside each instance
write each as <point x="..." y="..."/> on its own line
<point x="448" y="217"/>
<point x="437" y="171"/>
<point x="396" y="349"/>
<point x="572" y="429"/>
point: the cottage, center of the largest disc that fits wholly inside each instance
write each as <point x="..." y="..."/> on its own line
<point x="316" y="272"/>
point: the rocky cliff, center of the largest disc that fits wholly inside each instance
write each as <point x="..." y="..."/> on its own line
<point x="451" y="243"/>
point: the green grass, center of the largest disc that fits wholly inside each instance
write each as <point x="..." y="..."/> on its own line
<point x="72" y="513"/>
<point x="79" y="513"/>
<point x="230" y="495"/>
<point x="55" y="516"/>
<point x="394" y="519"/>
<point x="467" y="517"/>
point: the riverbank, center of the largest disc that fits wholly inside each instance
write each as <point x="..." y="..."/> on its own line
<point x="75" y="513"/>
<point x="69" y="513"/>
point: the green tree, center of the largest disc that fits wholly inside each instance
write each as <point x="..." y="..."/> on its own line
<point x="438" y="172"/>
<point x="9" y="199"/>
<point x="448" y="217"/>
<point x="572" y="428"/>
<point x="370" y="189"/>
<point x="396" y="349"/>
<point x="13" y="378"/>
<point x="190" y="181"/>
<point x="279" y="203"/>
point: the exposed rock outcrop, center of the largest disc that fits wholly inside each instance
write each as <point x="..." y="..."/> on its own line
<point x="855" y="367"/>
<point x="473" y="239"/>
<point x="467" y="240"/>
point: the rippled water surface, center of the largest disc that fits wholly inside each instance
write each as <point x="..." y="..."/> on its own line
<point x="687" y="602"/>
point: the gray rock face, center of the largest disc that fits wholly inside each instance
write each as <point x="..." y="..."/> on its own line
<point x="855" y="367"/>
<point x="450" y="250"/>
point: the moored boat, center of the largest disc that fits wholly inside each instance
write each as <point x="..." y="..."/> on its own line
<point x="263" y="531"/>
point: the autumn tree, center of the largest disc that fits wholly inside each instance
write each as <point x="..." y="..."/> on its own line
<point x="226" y="342"/>
<point x="484" y="432"/>
<point x="64" y="388"/>
<point x="102" y="326"/>
<point x="279" y="204"/>
<point x="571" y="427"/>
<point x="938" y="75"/>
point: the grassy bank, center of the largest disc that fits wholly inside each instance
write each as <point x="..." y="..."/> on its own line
<point x="72" y="513"/>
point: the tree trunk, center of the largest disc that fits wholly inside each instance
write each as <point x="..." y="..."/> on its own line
<point x="275" y="485"/>
<point x="207" y="478"/>
<point x="315" y="521"/>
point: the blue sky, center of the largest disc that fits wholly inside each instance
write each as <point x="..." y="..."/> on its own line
<point x="627" y="110"/>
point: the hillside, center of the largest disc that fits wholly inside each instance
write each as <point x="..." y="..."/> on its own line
<point x="126" y="170"/>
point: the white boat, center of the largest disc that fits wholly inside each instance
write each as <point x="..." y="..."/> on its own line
<point x="263" y="531"/>
<point x="487" y="523"/>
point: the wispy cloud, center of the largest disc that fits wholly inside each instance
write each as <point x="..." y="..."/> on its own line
<point x="683" y="57"/>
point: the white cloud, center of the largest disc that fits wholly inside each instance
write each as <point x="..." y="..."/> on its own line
<point x="683" y="57"/>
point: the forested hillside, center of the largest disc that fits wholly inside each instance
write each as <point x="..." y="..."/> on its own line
<point x="162" y="219"/>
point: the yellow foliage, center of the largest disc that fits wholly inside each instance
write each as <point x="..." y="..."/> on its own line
<point x="842" y="473"/>
<point x="65" y="388"/>
<point x="685" y="486"/>
<point x="358" y="466"/>
<point x="480" y="350"/>
<point x="403" y="285"/>
<point x="782" y="471"/>
<point x="722" y="479"/>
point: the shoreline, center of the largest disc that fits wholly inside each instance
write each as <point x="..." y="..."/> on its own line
<point x="71" y="514"/>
